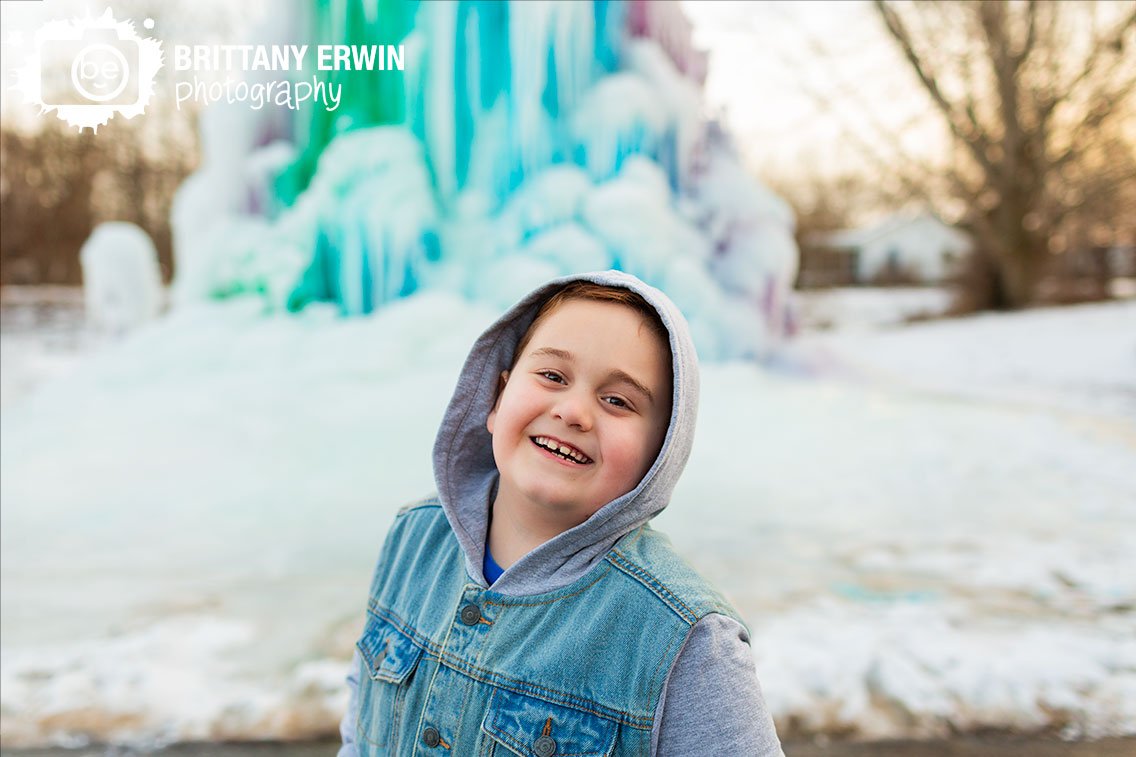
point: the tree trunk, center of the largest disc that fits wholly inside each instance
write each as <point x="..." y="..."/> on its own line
<point x="1019" y="258"/>
<point x="1019" y="272"/>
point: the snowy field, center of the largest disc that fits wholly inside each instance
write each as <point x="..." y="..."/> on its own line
<point x="869" y="308"/>
<point x="930" y="528"/>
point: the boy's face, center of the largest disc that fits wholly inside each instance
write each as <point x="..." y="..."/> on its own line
<point x="593" y="378"/>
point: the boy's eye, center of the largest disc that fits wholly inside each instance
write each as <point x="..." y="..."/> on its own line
<point x="551" y="376"/>
<point x="617" y="402"/>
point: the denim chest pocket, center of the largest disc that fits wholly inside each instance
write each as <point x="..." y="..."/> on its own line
<point x="389" y="660"/>
<point x="531" y="727"/>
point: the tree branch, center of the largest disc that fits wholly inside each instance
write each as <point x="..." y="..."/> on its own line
<point x="969" y="132"/>
<point x="1031" y="34"/>
<point x="1112" y="42"/>
<point x="1101" y="110"/>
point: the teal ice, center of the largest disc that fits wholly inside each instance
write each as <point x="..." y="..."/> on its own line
<point x="513" y="142"/>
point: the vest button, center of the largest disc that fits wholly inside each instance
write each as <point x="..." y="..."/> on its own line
<point x="470" y="615"/>
<point x="431" y="737"/>
<point x="545" y="746"/>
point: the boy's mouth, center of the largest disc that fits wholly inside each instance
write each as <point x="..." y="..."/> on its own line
<point x="566" y="451"/>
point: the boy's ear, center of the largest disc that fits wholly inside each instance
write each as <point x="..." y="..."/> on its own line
<point x="501" y="381"/>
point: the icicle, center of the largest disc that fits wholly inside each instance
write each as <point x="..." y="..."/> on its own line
<point x="368" y="97"/>
<point x="619" y="117"/>
<point x="439" y="96"/>
<point x="529" y="41"/>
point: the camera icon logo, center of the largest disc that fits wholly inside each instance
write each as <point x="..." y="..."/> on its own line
<point x="101" y="68"/>
<point x="90" y="69"/>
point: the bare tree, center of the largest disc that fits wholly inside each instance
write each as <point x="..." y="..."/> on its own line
<point x="1038" y="100"/>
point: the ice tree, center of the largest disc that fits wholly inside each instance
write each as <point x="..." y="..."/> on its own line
<point x="518" y="142"/>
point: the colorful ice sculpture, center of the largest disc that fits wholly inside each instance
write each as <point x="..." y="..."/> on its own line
<point x="520" y="141"/>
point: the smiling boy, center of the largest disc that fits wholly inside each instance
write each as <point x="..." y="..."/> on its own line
<point x="530" y="609"/>
<point x="578" y="420"/>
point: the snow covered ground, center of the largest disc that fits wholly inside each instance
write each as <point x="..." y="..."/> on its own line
<point x="930" y="528"/>
<point x="1080" y="359"/>
<point x="869" y="308"/>
<point x="42" y="335"/>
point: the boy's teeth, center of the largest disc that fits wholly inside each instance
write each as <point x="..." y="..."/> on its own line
<point x="552" y="446"/>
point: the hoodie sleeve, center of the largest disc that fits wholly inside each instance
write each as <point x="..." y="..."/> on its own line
<point x="712" y="702"/>
<point x="351" y="717"/>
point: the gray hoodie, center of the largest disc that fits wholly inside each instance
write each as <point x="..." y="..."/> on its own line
<point x="712" y="703"/>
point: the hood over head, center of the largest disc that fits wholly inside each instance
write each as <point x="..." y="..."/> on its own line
<point x="466" y="475"/>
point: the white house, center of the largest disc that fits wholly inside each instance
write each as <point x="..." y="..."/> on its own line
<point x="920" y="246"/>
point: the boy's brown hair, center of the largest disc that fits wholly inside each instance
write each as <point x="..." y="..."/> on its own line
<point x="587" y="290"/>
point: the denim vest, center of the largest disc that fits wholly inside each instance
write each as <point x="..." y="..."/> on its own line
<point x="452" y="668"/>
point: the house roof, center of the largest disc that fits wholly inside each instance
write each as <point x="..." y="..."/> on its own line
<point x="851" y="239"/>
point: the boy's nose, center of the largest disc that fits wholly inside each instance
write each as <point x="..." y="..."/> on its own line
<point x="573" y="409"/>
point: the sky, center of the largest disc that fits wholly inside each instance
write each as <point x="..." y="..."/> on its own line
<point x="795" y="77"/>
